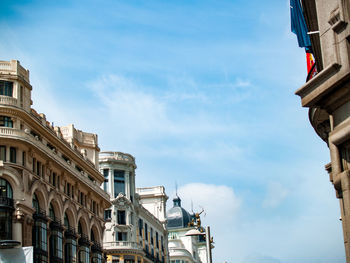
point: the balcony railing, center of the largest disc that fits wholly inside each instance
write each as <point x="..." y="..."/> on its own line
<point x="84" y="240"/>
<point x="122" y="245"/>
<point x="7" y="100"/>
<point x="14" y="66"/>
<point x="118" y="156"/>
<point x="70" y="232"/>
<point x="96" y="247"/>
<point x="6" y="201"/>
<point x="40" y="214"/>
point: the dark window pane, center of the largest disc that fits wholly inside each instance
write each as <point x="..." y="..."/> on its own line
<point x="6" y="88"/>
<point x="121" y="217"/>
<point x="13" y="157"/>
<point x="3" y="153"/>
<point x="119" y="183"/>
<point x="6" y="122"/>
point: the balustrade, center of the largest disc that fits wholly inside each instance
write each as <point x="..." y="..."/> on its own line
<point x="7" y="100"/>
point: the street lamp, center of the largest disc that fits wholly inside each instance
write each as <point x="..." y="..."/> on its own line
<point x="208" y="239"/>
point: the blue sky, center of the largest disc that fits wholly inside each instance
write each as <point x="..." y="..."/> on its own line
<point x="202" y="94"/>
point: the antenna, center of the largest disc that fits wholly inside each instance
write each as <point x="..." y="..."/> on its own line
<point x="192" y="206"/>
<point x="176" y="189"/>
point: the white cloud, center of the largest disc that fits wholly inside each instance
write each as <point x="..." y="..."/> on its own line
<point x="221" y="206"/>
<point x="216" y="200"/>
<point x="136" y="114"/>
<point x="275" y="195"/>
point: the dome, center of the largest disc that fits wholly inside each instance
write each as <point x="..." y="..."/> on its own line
<point x="177" y="216"/>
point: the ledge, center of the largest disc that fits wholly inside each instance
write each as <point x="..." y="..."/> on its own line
<point x="315" y="88"/>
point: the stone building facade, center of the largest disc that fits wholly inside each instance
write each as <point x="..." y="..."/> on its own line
<point x="132" y="233"/>
<point x="184" y="248"/>
<point x="50" y="195"/>
<point x="327" y="95"/>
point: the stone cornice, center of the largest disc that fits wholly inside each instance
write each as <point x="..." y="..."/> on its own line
<point x="52" y="137"/>
<point x="22" y="136"/>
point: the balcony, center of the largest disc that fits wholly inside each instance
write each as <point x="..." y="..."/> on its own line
<point x="84" y="240"/>
<point x="155" y="190"/>
<point x="7" y="100"/>
<point x="40" y="214"/>
<point x="96" y="247"/>
<point x="118" y="156"/>
<point x="6" y="202"/>
<point x="123" y="245"/>
<point x="70" y="233"/>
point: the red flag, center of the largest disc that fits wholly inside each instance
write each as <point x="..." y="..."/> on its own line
<point x="311" y="66"/>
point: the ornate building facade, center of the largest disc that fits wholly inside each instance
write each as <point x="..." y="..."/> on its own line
<point x="50" y="195"/>
<point x="132" y="233"/>
<point x="184" y="248"/>
<point x="327" y="95"/>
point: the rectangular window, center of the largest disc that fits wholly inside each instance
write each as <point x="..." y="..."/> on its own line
<point x="13" y="156"/>
<point x="121" y="217"/>
<point x="93" y="206"/>
<point x="6" y="88"/>
<point x="108" y="214"/>
<point x="162" y="241"/>
<point x="38" y="168"/>
<point x="3" y="153"/>
<point x="21" y="95"/>
<point x="65" y="158"/>
<point x="140" y="227"/>
<point x="146" y="231"/>
<point x="105" y="175"/>
<point x="119" y="182"/>
<point x="24" y="158"/>
<point x="6" y="122"/>
<point x="157" y="241"/>
<point x="68" y="189"/>
<point x="34" y="165"/>
<point x="122" y="236"/>
<point x="78" y="168"/>
<point x="54" y="179"/>
<point x="152" y="236"/>
<point x="35" y="135"/>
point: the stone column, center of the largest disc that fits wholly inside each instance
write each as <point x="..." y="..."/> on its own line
<point x="127" y="184"/>
<point x="17" y="226"/>
<point x="110" y="182"/>
<point x="7" y="159"/>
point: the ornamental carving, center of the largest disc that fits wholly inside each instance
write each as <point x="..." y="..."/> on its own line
<point x="121" y="202"/>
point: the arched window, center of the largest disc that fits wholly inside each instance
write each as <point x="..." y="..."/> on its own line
<point x="84" y="243"/>
<point x="70" y="247"/>
<point x="66" y="221"/>
<point x="56" y="246"/>
<point x="96" y="249"/>
<point x="39" y="233"/>
<point x="6" y="210"/>
<point x="35" y="203"/>
<point x="5" y="189"/>
<point x="51" y="212"/>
